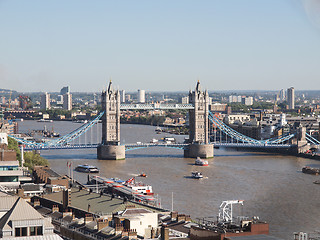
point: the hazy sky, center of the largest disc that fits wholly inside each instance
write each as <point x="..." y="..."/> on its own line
<point x="159" y="45"/>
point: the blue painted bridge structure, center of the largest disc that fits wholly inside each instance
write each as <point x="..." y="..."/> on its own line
<point x="231" y="137"/>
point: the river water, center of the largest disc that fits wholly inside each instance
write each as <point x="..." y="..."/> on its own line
<point x="272" y="186"/>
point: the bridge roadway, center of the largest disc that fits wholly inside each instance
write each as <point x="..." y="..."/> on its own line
<point x="182" y="146"/>
<point x="155" y="106"/>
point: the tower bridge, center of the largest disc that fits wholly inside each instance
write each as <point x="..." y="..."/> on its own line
<point x="198" y="145"/>
<point x="203" y="125"/>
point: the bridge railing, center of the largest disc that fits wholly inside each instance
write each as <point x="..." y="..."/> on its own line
<point x="155" y="106"/>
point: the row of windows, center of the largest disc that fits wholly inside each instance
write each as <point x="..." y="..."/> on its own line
<point x="33" y="231"/>
<point x="8" y="179"/>
<point x="8" y="168"/>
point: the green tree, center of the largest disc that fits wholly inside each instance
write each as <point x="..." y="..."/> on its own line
<point x="13" y="145"/>
<point x="32" y="159"/>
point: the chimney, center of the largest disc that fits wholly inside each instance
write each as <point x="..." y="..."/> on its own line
<point x="66" y="198"/>
<point x="164" y="233"/>
<point x="67" y="213"/>
<point x="88" y="218"/>
<point x="20" y="192"/>
<point x="174" y="216"/>
<point x="118" y="228"/>
<point x="102" y="223"/>
<point x="36" y="202"/>
<point x="55" y="208"/>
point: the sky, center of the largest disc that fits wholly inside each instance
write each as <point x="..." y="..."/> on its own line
<point x="159" y="45"/>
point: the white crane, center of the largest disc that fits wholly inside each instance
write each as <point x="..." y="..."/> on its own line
<point x="225" y="210"/>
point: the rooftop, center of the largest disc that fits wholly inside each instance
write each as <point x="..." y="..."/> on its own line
<point x="99" y="204"/>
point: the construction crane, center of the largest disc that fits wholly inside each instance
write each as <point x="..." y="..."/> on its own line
<point x="225" y="210"/>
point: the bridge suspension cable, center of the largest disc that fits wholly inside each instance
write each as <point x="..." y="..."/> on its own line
<point x="243" y="138"/>
<point x="62" y="140"/>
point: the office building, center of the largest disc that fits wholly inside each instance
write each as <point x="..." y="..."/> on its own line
<point x="185" y="100"/>
<point x="247" y="101"/>
<point x="65" y="90"/>
<point x="141" y="96"/>
<point x="123" y="96"/>
<point x="45" y="101"/>
<point x="282" y="95"/>
<point x="67" y="101"/>
<point x="290" y="97"/>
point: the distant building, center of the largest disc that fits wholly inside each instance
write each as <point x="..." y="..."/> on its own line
<point x="67" y="101"/>
<point x="218" y="107"/>
<point x="65" y="90"/>
<point x="128" y="98"/>
<point x="45" y="101"/>
<point x="247" y="101"/>
<point x="123" y="96"/>
<point x="185" y="100"/>
<point x="241" y="99"/>
<point x="141" y="96"/>
<point x="290" y="97"/>
<point x="60" y="99"/>
<point x="282" y="95"/>
<point x="233" y="98"/>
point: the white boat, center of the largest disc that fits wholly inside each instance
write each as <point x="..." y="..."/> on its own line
<point x="154" y="140"/>
<point x="86" y="168"/>
<point x="139" y="186"/>
<point x="201" y="162"/>
<point x="45" y="120"/>
<point x="196" y="175"/>
<point x="169" y="140"/>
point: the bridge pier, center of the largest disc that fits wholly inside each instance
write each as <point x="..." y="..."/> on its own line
<point x="199" y="150"/>
<point x="111" y="152"/>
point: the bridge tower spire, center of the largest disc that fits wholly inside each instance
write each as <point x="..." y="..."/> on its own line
<point x="110" y="147"/>
<point x="199" y="125"/>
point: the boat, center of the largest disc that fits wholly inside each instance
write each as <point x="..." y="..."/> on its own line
<point x="169" y="140"/>
<point x="142" y="175"/>
<point x="158" y="130"/>
<point x="138" y="186"/>
<point x="311" y="170"/>
<point x="45" y="120"/>
<point x="129" y="188"/>
<point x="201" y="162"/>
<point x="86" y="169"/>
<point x="154" y="140"/>
<point x="196" y="175"/>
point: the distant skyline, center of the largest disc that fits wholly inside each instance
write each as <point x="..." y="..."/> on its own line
<point x="159" y="45"/>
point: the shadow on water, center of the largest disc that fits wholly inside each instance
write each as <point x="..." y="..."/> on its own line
<point x="241" y="154"/>
<point x="71" y="156"/>
<point x="153" y="156"/>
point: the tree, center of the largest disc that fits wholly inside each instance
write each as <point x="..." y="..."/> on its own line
<point x="13" y="145"/>
<point x="32" y="159"/>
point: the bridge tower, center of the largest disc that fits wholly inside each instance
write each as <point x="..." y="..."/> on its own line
<point x="110" y="148"/>
<point x="199" y="125"/>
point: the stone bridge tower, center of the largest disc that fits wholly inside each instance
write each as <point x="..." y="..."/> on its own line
<point x="199" y="125"/>
<point x="110" y="147"/>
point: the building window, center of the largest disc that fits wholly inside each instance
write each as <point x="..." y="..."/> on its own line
<point x="36" y="231"/>
<point x="20" y="232"/>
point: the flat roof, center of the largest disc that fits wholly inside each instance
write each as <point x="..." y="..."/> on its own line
<point x="255" y="237"/>
<point x="100" y="205"/>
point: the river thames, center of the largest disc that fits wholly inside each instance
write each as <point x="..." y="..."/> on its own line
<point x="272" y="186"/>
